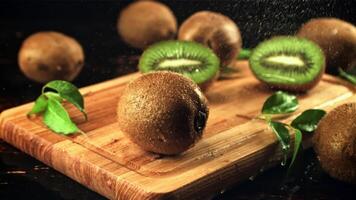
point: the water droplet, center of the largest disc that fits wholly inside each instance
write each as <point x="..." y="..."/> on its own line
<point x="262" y="170"/>
<point x="334" y="31"/>
<point x="283" y="163"/>
<point x="284" y="160"/>
<point x="285" y="147"/>
<point x="295" y="189"/>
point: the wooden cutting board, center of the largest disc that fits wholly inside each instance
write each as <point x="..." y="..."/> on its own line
<point x="234" y="146"/>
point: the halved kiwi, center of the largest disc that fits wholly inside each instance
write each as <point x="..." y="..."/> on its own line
<point x="335" y="142"/>
<point x="163" y="112"/>
<point x="288" y="63"/>
<point x="191" y="59"/>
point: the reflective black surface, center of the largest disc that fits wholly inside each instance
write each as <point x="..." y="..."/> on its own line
<point x="93" y="24"/>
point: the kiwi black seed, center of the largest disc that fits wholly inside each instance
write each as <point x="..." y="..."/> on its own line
<point x="49" y="55"/>
<point x="143" y="23"/>
<point x="163" y="112"/>
<point x="215" y="31"/>
<point x="335" y="142"/>
<point x="337" y="38"/>
<point x="288" y="63"/>
<point x="188" y="58"/>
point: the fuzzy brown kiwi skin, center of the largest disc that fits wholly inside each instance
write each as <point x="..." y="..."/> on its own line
<point x="143" y="23"/>
<point x="158" y="112"/>
<point x="336" y="37"/>
<point x="335" y="142"/>
<point x="215" y="31"/>
<point x="49" y="55"/>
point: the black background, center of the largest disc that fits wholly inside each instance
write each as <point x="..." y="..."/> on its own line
<point x="93" y="24"/>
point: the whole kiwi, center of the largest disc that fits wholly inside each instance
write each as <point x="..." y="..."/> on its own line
<point x="163" y="112"/>
<point x="46" y="56"/>
<point x="143" y="23"/>
<point x="336" y="37"/>
<point x="335" y="142"/>
<point x="214" y="30"/>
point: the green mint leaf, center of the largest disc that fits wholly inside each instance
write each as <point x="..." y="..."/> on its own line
<point x="348" y="76"/>
<point x="283" y="136"/>
<point x="308" y="120"/>
<point x="244" y="54"/>
<point x="280" y="103"/>
<point x="67" y="91"/>
<point x="297" y="141"/>
<point x="57" y="118"/>
<point x="40" y="105"/>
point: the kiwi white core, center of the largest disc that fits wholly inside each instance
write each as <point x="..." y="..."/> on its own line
<point x="178" y="63"/>
<point x="286" y="60"/>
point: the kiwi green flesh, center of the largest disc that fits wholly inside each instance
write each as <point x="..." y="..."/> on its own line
<point x="287" y="61"/>
<point x="188" y="58"/>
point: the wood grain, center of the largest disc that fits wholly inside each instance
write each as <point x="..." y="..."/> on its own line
<point x="234" y="146"/>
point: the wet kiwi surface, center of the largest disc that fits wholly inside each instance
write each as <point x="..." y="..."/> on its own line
<point x="288" y="63"/>
<point x="337" y="38"/>
<point x="46" y="56"/>
<point x="163" y="112"/>
<point x="188" y="58"/>
<point x="215" y="31"/>
<point x="143" y="23"/>
<point x="335" y="142"/>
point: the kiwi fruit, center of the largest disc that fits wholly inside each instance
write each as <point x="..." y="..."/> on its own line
<point x="334" y="142"/>
<point x="288" y="63"/>
<point x="143" y="23"/>
<point x="46" y="56"/>
<point x="337" y="38"/>
<point x="163" y="112"/>
<point x="191" y="59"/>
<point x="215" y="31"/>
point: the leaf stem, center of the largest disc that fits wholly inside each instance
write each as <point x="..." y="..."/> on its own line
<point x="264" y="117"/>
<point x="82" y="133"/>
<point x="244" y="54"/>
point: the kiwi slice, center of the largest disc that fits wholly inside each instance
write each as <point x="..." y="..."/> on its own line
<point x="288" y="63"/>
<point x="163" y="112"/>
<point x="191" y="59"/>
<point x="335" y="142"/>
